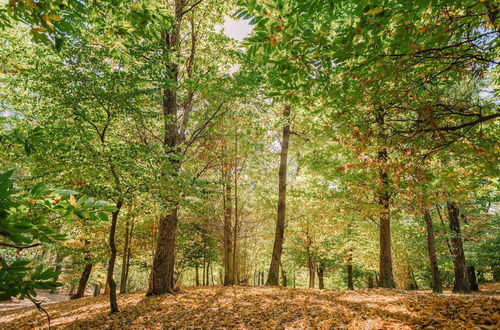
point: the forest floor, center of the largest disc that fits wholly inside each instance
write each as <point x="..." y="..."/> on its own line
<point x="266" y="307"/>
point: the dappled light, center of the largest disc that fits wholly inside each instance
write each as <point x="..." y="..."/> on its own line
<point x="263" y="307"/>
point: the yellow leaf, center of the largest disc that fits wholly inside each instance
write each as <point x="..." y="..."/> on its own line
<point x="72" y="200"/>
<point x="374" y="11"/>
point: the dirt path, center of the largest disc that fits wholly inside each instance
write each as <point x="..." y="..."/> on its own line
<point x="257" y="308"/>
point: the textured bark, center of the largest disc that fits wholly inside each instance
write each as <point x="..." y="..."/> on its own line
<point x="162" y="276"/>
<point x="461" y="281"/>
<point x="57" y="268"/>
<point x="279" y="235"/>
<point x="82" y="284"/>
<point x="385" y="263"/>
<point x="436" y="278"/>
<point x="321" y="273"/>
<point x="112" y="259"/>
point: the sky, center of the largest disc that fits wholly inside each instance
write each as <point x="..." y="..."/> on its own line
<point x="237" y="29"/>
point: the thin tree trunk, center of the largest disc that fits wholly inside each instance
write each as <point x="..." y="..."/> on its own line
<point x="82" y="285"/>
<point x="123" y="277"/>
<point x="284" y="281"/>
<point x="112" y="258"/>
<point x="436" y="278"/>
<point x="228" y="244"/>
<point x="461" y="282"/>
<point x="321" y="273"/>
<point x="472" y="278"/>
<point x="385" y="264"/>
<point x="279" y="235"/>
<point x="97" y="290"/>
<point x="312" y="272"/>
<point x="370" y="281"/>
<point x="197" y="275"/>
<point x="58" y="268"/>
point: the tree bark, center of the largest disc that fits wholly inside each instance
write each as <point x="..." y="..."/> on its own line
<point x="321" y="272"/>
<point x="436" y="278"/>
<point x="350" y="283"/>
<point x="82" y="285"/>
<point x="461" y="281"/>
<point x="274" y="268"/>
<point x="112" y="258"/>
<point x="385" y="264"/>
<point x="58" y="268"/>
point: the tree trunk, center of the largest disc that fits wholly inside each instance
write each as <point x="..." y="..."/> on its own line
<point x="284" y="281"/>
<point x="97" y="290"/>
<point x="58" y="268"/>
<point x="274" y="268"/>
<point x="385" y="265"/>
<point x="162" y="280"/>
<point x="82" y="285"/>
<point x="461" y="282"/>
<point x="350" y="283"/>
<point x="197" y="275"/>
<point x="162" y="274"/>
<point x="436" y="278"/>
<point x="112" y="258"/>
<point x="370" y="282"/>
<point x="471" y="271"/>
<point x="321" y="272"/>
<point x="228" y="237"/>
<point x="123" y="277"/>
<point x="312" y="272"/>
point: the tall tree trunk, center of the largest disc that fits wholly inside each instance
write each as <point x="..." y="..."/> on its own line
<point x="112" y="258"/>
<point x="385" y="264"/>
<point x="321" y="273"/>
<point x="58" y="268"/>
<point x="436" y="278"/>
<point x="228" y="237"/>
<point x="123" y="277"/>
<point x="274" y="268"/>
<point x="162" y="274"/>
<point x="236" y="274"/>
<point x="82" y="285"/>
<point x="461" y="282"/>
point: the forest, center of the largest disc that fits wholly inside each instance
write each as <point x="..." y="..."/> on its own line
<point x="249" y="164"/>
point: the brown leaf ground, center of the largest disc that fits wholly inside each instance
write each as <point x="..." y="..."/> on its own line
<point x="263" y="307"/>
